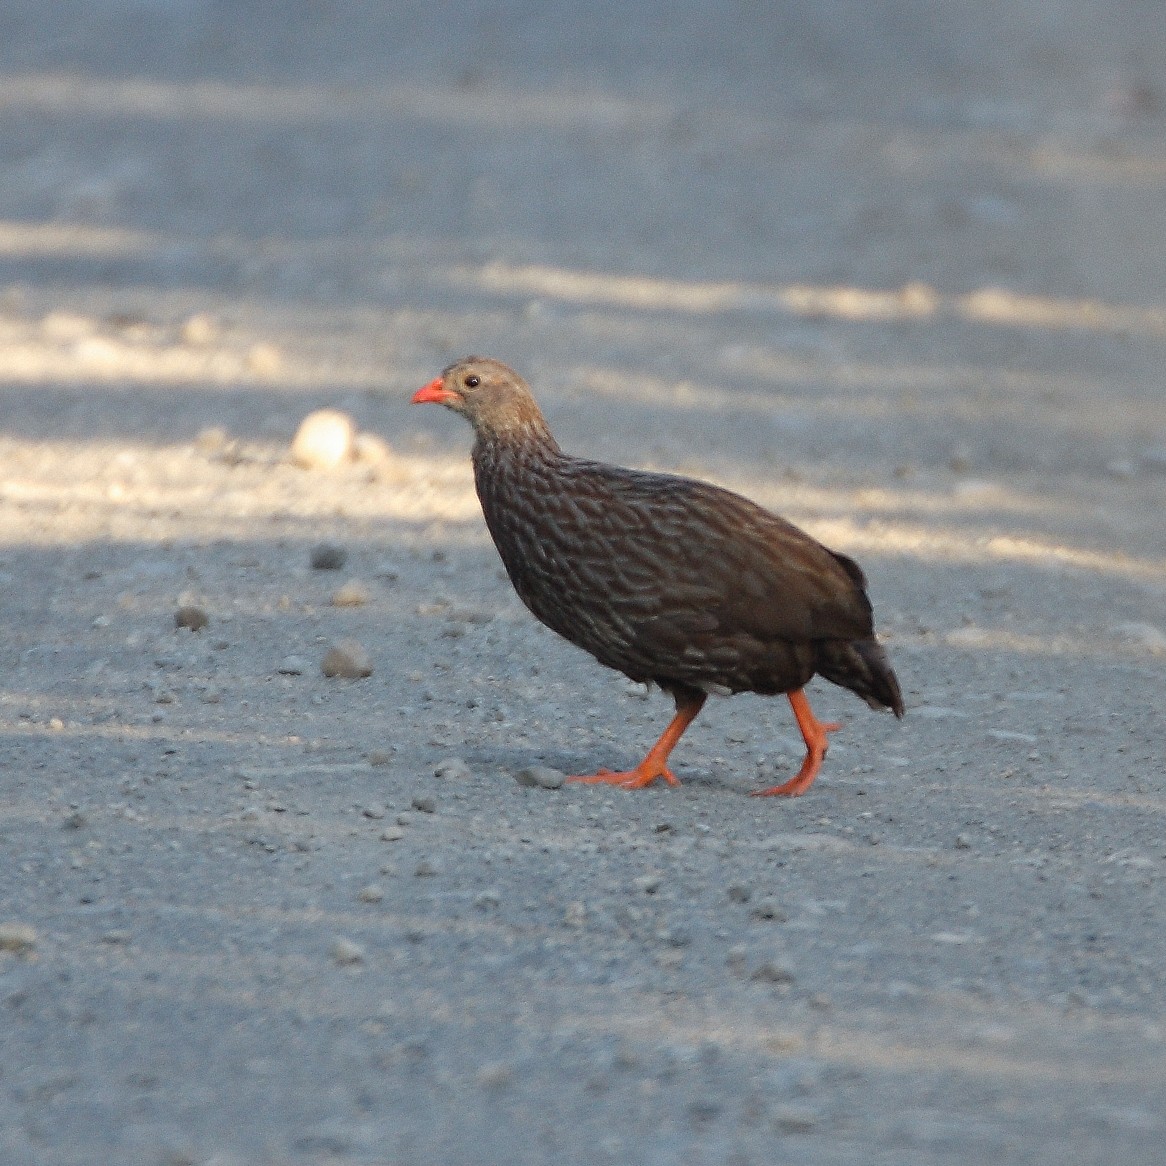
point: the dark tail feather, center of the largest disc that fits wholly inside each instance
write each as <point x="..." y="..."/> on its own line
<point x="863" y="667"/>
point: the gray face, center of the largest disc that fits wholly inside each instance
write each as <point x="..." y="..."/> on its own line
<point x="487" y="393"/>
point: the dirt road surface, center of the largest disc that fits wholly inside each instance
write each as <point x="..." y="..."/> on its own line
<point x="894" y="270"/>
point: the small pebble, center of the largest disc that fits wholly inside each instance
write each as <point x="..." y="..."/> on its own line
<point x="373" y="893"/>
<point x="19" y="938"/>
<point x="540" y="777"/>
<point x="392" y="834"/>
<point x="371" y="449"/>
<point x="768" y="910"/>
<point x="794" y="1119"/>
<point x="353" y="594"/>
<point x="264" y="359"/>
<point x="495" y="1076"/>
<point x="323" y="440"/>
<point x="292" y="666"/>
<point x="347" y="660"/>
<point x="575" y="914"/>
<point x="212" y="439"/>
<point x="189" y="616"/>
<point x="327" y="557"/>
<point x="453" y="768"/>
<point x="376" y="812"/>
<point x="76" y="820"/>
<point x="404" y="818"/>
<point x="772" y="972"/>
<point x="703" y="1110"/>
<point x="647" y="884"/>
<point x="425" y="803"/>
<point x="963" y="842"/>
<point x="960" y="460"/>
<point x="740" y="894"/>
<point x="200" y="330"/>
<point x="487" y="900"/>
<point x="345" y="952"/>
<point x="117" y="936"/>
<point x="426" y="869"/>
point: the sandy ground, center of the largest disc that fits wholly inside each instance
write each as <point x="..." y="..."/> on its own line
<point x="892" y="269"/>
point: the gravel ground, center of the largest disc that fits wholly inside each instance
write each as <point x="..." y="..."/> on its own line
<point x="894" y="270"/>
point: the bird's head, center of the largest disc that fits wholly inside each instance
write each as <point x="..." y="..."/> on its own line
<point x="492" y="397"/>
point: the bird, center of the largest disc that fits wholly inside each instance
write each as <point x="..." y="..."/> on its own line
<point x="672" y="581"/>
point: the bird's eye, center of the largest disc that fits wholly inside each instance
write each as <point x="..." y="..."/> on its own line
<point x="472" y="382"/>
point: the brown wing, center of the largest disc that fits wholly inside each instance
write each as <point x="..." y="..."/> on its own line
<point x="653" y="572"/>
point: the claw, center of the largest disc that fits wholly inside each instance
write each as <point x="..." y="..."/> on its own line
<point x="629" y="778"/>
<point x="814" y="734"/>
<point x="653" y="766"/>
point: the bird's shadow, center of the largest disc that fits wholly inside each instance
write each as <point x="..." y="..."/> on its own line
<point x="512" y="761"/>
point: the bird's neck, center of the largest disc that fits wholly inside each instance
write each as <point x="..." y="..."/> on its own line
<point x="511" y="463"/>
<point x="523" y="438"/>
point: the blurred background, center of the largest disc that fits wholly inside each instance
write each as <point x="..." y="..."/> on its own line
<point x="601" y="193"/>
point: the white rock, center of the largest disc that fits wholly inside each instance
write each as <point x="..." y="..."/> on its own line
<point x="352" y="594"/>
<point x="323" y="440"/>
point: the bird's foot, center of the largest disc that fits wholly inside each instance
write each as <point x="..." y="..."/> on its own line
<point x="636" y="778"/>
<point x="815" y="752"/>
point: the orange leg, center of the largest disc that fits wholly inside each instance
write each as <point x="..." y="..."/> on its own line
<point x="814" y="734"/>
<point x="655" y="764"/>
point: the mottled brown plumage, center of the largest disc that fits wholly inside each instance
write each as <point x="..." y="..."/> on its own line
<point x="667" y="579"/>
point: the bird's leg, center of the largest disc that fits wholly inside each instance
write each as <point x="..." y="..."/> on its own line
<point x="655" y="764"/>
<point x="814" y="734"/>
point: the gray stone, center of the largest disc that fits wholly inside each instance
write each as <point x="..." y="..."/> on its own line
<point x="191" y="617"/>
<point x="347" y="660"/>
<point x="452" y="769"/>
<point x="540" y="777"/>
<point x="346" y="952"/>
<point x="327" y="557"/>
